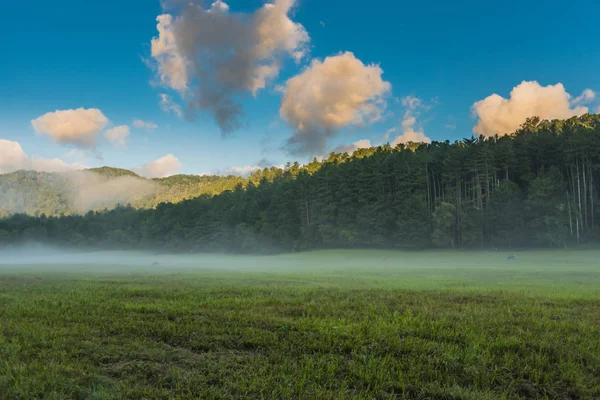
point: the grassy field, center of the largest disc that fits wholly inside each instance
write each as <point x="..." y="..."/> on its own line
<point x="322" y="325"/>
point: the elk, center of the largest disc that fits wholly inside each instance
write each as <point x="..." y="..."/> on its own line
<point x="511" y="257"/>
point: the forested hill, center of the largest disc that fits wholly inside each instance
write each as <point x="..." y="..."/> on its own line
<point x="113" y="172"/>
<point x="54" y="194"/>
<point x="537" y="187"/>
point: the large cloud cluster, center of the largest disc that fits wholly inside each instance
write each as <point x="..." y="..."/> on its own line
<point x="329" y="95"/>
<point x="211" y="56"/>
<point x="498" y="115"/>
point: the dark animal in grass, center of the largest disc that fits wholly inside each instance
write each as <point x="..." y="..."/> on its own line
<point x="155" y="263"/>
<point x="511" y="258"/>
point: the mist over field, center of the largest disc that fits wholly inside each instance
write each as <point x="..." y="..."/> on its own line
<point x="370" y="320"/>
<point x="553" y="271"/>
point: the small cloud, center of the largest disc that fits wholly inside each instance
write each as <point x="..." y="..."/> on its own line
<point x="243" y="171"/>
<point x="160" y="168"/>
<point x="139" y="124"/>
<point x="322" y="24"/>
<point x="167" y="105"/>
<point x="450" y="127"/>
<point x="387" y="134"/>
<point x="411" y="102"/>
<point x="409" y="134"/>
<point x="413" y="107"/>
<point x="585" y="97"/>
<point x="434" y="101"/>
<point x="352" y="147"/>
<point x="411" y="137"/>
<point x="78" y="127"/>
<point x="117" y="136"/>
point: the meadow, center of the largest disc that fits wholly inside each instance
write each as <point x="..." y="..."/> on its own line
<point x="347" y="324"/>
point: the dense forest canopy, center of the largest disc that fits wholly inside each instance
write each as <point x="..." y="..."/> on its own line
<point x="536" y="187"/>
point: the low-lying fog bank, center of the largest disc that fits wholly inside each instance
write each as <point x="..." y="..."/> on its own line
<point x="547" y="272"/>
<point x="58" y="258"/>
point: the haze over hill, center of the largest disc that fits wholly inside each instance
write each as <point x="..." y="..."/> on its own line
<point x="66" y="193"/>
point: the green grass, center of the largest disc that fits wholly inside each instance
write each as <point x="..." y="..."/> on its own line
<point x="326" y="325"/>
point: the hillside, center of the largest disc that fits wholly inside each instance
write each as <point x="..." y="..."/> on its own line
<point x="55" y="194"/>
<point x="535" y="188"/>
<point x="113" y="172"/>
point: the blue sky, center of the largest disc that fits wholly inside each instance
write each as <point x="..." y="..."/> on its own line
<point x="448" y="55"/>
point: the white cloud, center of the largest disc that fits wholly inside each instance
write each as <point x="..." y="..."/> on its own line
<point x="409" y="121"/>
<point x="247" y="170"/>
<point x="167" y="105"/>
<point x="329" y="95"/>
<point x="242" y="171"/>
<point x="598" y="110"/>
<point x="78" y="127"/>
<point x="211" y="56"/>
<point x="117" y="136"/>
<point x="585" y="97"/>
<point x="160" y="168"/>
<point x="411" y="102"/>
<point x="13" y="158"/>
<point x="498" y="115"/>
<point x="352" y="147"/>
<point x="139" y="124"/>
<point x="387" y="134"/>
<point x="411" y="136"/>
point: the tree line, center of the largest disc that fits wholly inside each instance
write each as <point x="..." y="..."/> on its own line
<point x="537" y="187"/>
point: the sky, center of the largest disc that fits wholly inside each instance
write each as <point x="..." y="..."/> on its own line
<point x="230" y="86"/>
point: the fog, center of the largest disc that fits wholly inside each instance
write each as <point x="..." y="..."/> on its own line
<point x="82" y="190"/>
<point x="89" y="190"/>
<point x="38" y="256"/>
<point x="59" y="257"/>
<point x="559" y="271"/>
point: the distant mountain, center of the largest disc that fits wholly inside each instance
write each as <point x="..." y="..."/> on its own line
<point x="76" y="192"/>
